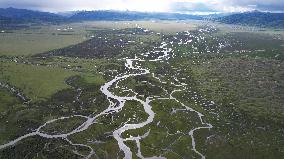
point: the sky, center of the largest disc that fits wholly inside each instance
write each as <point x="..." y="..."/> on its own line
<point x="180" y="6"/>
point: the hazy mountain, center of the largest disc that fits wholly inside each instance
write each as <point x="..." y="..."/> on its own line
<point x="68" y="13"/>
<point x="21" y="16"/>
<point x="24" y="15"/>
<point x="255" y="18"/>
<point x="9" y="16"/>
<point x="215" y="16"/>
<point x="128" y="15"/>
<point x="4" y="19"/>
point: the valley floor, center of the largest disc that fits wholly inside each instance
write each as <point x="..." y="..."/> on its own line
<point x="134" y="91"/>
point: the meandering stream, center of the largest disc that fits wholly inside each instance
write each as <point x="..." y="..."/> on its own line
<point x="114" y="107"/>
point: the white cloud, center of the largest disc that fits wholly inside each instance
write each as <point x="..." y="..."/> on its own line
<point x="59" y="5"/>
<point x="147" y="5"/>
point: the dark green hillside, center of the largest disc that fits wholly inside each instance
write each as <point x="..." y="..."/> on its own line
<point x="261" y="19"/>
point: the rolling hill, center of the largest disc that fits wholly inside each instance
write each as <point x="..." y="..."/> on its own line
<point x="255" y="18"/>
<point x="29" y="16"/>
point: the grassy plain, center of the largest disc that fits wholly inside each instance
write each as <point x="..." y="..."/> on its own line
<point x="166" y="27"/>
<point x="37" y="39"/>
<point x="228" y="28"/>
<point x="37" y="82"/>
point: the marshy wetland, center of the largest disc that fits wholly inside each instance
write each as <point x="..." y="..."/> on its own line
<point x="142" y="89"/>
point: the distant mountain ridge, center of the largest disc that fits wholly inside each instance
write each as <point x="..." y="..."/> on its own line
<point x="130" y="15"/>
<point x="255" y="18"/>
<point x="24" y="15"/>
<point x="12" y="17"/>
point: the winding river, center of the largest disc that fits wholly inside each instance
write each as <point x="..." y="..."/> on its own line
<point x="114" y="107"/>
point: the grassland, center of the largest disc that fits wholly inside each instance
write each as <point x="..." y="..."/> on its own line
<point x="167" y="27"/>
<point x="37" y="82"/>
<point x="248" y="29"/>
<point x="37" y="39"/>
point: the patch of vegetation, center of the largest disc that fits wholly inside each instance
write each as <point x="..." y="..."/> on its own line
<point x="37" y="82"/>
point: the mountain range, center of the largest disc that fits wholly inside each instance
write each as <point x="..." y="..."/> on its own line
<point x="24" y="15"/>
<point x="14" y="16"/>
<point x="255" y="18"/>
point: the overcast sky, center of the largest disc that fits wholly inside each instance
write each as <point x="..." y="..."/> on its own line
<point x="184" y="6"/>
